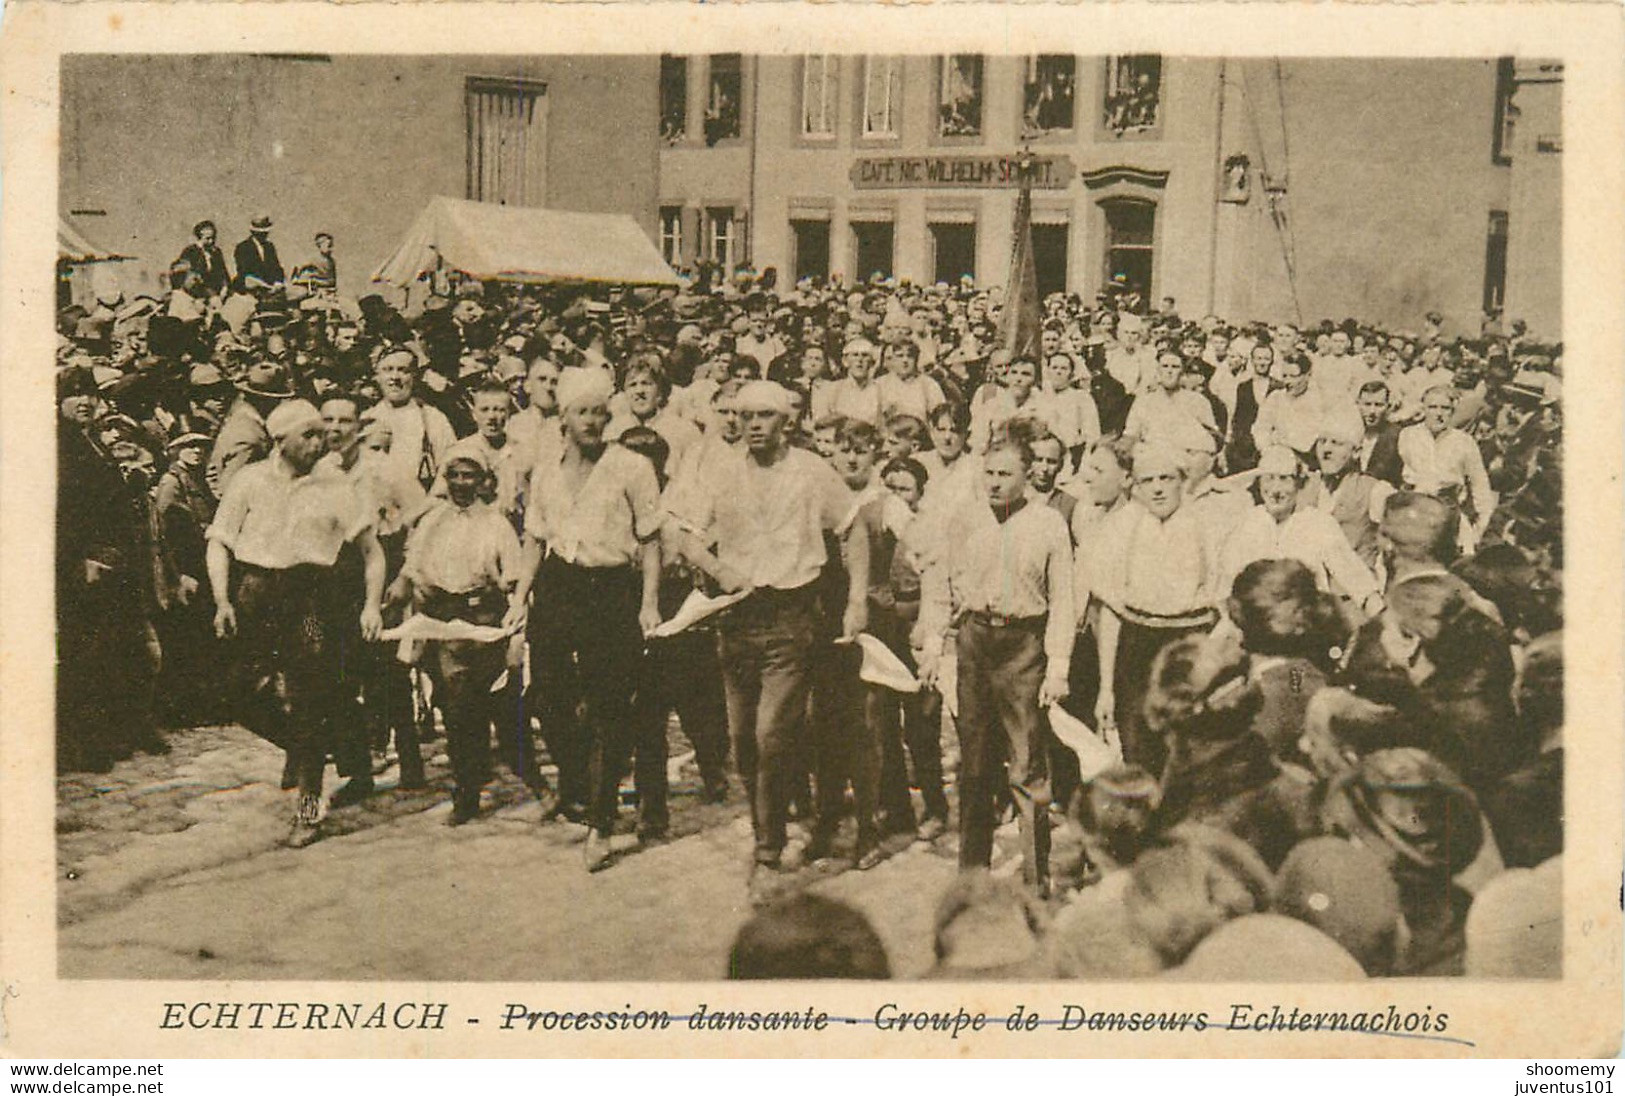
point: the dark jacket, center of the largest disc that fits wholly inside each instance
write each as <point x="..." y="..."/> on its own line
<point x="249" y="263"/>
<point x="1384" y="462"/>
<point x="1239" y="788"/>
<point x="1242" y="452"/>
<point x="1463" y="712"/>
<point x="210" y="264"/>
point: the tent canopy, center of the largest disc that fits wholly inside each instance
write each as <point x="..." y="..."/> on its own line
<point x="519" y="244"/>
<point x="73" y="248"/>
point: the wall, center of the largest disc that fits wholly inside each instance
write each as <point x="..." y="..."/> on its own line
<point x="351" y="145"/>
<point x="795" y="176"/>
<point x="1387" y="165"/>
<point x="1534" y="212"/>
<point x="1389" y="181"/>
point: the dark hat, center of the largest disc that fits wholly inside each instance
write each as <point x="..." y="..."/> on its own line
<point x="1410" y="804"/>
<point x="261" y="223"/>
<point x="75" y="381"/>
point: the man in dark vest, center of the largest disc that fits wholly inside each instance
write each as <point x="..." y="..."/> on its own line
<point x="1354" y="498"/>
<point x="1242" y="452"/>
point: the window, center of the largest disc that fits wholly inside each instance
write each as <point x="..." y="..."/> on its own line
<point x="1052" y="80"/>
<point x="1506" y="111"/>
<point x="954" y="250"/>
<point x="959" y="96"/>
<point x="721" y="242"/>
<point x="673" y="98"/>
<point x="507" y="141"/>
<point x="818" y="89"/>
<point x="1130" y="232"/>
<point x="671" y="234"/>
<point x="872" y="244"/>
<point x="882" y="90"/>
<point x="1049" y="257"/>
<point x="1495" y="263"/>
<point x="812" y="249"/>
<point x="722" y="98"/>
<point x="1133" y="92"/>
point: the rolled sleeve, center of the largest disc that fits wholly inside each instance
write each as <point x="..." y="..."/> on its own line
<point x="1060" y="630"/>
<point x="227" y="525"/>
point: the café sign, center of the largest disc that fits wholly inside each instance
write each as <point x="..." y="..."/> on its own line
<point x="959" y="172"/>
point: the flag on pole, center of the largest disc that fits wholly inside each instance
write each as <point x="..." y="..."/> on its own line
<point x="1019" y="321"/>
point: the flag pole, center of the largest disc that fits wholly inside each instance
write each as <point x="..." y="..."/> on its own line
<point x="1019" y="321"/>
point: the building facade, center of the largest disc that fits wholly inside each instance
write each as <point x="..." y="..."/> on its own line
<point x="345" y="144"/>
<point x="1258" y="188"/>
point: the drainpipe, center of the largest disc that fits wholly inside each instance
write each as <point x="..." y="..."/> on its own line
<point x="1217" y="206"/>
<point x="755" y="136"/>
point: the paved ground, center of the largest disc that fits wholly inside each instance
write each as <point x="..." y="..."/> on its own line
<point x="171" y="867"/>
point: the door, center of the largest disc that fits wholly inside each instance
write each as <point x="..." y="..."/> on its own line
<point x="1130" y="232"/>
<point x="954" y="246"/>
<point x="812" y="249"/>
<point x="872" y="249"/>
<point x="1050" y="256"/>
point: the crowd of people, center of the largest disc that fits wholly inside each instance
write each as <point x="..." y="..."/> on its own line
<point x="1264" y="619"/>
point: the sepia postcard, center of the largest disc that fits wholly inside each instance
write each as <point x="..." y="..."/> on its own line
<point x="827" y="530"/>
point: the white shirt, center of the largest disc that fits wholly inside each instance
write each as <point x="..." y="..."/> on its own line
<point x="1448" y="462"/>
<point x="768" y="522"/>
<point x="1070" y="414"/>
<point x="1134" y="371"/>
<point x="850" y="400"/>
<point x="420" y="436"/>
<point x="1021" y="567"/>
<point x="1156" y="414"/>
<point x="1309" y="536"/>
<point x="458" y="550"/>
<point x="1292" y="421"/>
<point x="915" y="396"/>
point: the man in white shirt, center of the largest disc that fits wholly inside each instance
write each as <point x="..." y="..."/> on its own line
<point x="1131" y="362"/>
<point x="1445" y="462"/>
<point x="422" y="433"/>
<point x="856" y="395"/>
<point x="594" y="511"/>
<point x="1278" y="528"/>
<point x="1292" y="413"/>
<point x="904" y="390"/>
<point x="1160" y="412"/>
<point x="760" y="342"/>
<point x="1007" y="583"/>
<point x="755" y="523"/>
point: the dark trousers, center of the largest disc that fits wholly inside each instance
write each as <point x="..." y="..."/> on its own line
<point x="845" y="747"/>
<point x="679" y="674"/>
<point x="293" y="666"/>
<point x="1083" y="689"/>
<point x="1137" y="648"/>
<point x="190" y="680"/>
<point x="585" y="646"/>
<point x="387" y="708"/>
<point x="1001" y="741"/>
<point x="766" y="645"/>
<point x="899" y="720"/>
<point x="462" y="673"/>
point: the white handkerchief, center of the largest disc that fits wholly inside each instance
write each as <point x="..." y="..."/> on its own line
<point x="695" y="608"/>
<point x="882" y="667"/>
<point x="1095" y="754"/>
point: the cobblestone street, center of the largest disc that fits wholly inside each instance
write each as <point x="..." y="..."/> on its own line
<point x="171" y="867"/>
